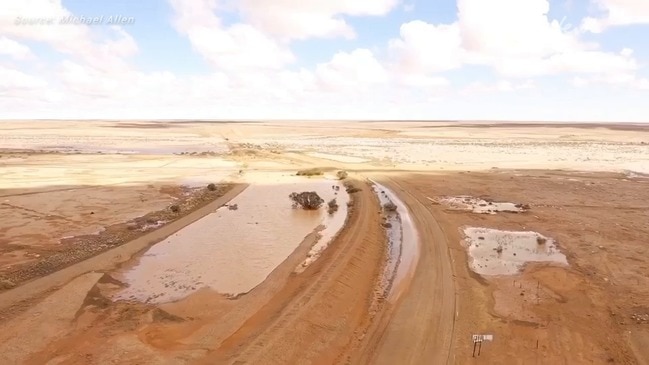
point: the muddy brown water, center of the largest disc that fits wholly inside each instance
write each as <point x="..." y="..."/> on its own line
<point x="231" y="251"/>
<point x="496" y="252"/>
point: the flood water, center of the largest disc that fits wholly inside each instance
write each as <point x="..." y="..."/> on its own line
<point x="403" y="242"/>
<point x="232" y="251"/>
<point x="495" y="252"/>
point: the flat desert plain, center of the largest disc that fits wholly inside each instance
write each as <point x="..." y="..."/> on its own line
<point x="176" y="242"/>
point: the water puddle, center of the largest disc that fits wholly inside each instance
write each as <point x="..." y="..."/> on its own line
<point x="234" y="250"/>
<point x="403" y="241"/>
<point x="495" y="252"/>
<point x="481" y="206"/>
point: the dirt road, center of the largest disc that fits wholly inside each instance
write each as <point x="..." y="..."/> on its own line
<point x="420" y="329"/>
<point x="320" y="314"/>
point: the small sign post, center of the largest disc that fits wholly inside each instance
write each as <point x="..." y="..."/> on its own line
<point x="477" y="342"/>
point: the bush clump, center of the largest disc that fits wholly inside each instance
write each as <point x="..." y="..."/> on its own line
<point x="540" y="240"/>
<point x="310" y="172"/>
<point x="350" y="188"/>
<point x="175" y="208"/>
<point x="308" y="200"/>
<point x="211" y="187"/>
<point x="390" y="207"/>
<point x="342" y="175"/>
<point x="332" y="206"/>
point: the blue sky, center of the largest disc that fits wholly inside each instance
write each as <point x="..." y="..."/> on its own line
<point x="314" y="59"/>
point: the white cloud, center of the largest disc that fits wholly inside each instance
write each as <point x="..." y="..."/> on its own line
<point x="75" y="40"/>
<point x="516" y="38"/>
<point x="512" y="28"/>
<point x="617" y="13"/>
<point x="425" y="48"/>
<point x="499" y="86"/>
<point x="14" y="49"/>
<point x="13" y="80"/>
<point x="239" y="46"/>
<point x="301" y="19"/>
<point x="356" y="70"/>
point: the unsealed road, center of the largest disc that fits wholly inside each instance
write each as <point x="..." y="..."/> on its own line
<point x="420" y="329"/>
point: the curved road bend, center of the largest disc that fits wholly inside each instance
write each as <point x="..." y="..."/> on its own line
<point x="420" y="331"/>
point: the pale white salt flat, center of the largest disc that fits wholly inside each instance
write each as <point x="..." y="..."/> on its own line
<point x="338" y="158"/>
<point x="496" y="252"/>
<point x="68" y="170"/>
<point x="230" y="251"/>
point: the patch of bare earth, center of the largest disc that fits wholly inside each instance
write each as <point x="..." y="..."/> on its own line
<point x="25" y="262"/>
<point x="591" y="311"/>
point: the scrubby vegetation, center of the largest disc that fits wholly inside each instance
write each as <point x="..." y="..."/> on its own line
<point x="310" y="172"/>
<point x="350" y="188"/>
<point x="390" y="207"/>
<point x="211" y="187"/>
<point x="332" y="206"/>
<point x="308" y="200"/>
<point x="175" y="208"/>
<point x="540" y="240"/>
<point x="342" y="174"/>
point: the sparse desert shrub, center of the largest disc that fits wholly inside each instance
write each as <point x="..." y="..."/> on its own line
<point x="233" y="206"/>
<point x="308" y="200"/>
<point x="175" y="208"/>
<point x="310" y="172"/>
<point x="386" y="225"/>
<point x="332" y="206"/>
<point x="342" y="174"/>
<point x="211" y="187"/>
<point x="390" y="207"/>
<point x="540" y="240"/>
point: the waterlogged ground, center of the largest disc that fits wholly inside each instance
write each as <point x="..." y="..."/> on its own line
<point x="495" y="252"/>
<point x="232" y="251"/>
<point x="403" y="241"/>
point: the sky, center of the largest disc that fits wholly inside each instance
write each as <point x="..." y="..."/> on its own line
<point x="519" y="60"/>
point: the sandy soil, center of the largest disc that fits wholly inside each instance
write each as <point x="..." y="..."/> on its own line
<point x="63" y="179"/>
<point x="578" y="314"/>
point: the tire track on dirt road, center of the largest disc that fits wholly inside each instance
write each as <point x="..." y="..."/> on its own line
<point x="319" y="313"/>
<point x="420" y="330"/>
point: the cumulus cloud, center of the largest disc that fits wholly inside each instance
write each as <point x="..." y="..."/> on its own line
<point x="499" y="86"/>
<point x="234" y="47"/>
<point x="14" y="80"/>
<point x="14" y="49"/>
<point x="74" y="40"/>
<point x="351" y="70"/>
<point x="617" y="13"/>
<point x="426" y="48"/>
<point x="253" y="59"/>
<point x="516" y="38"/>
<point x="301" y="19"/>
